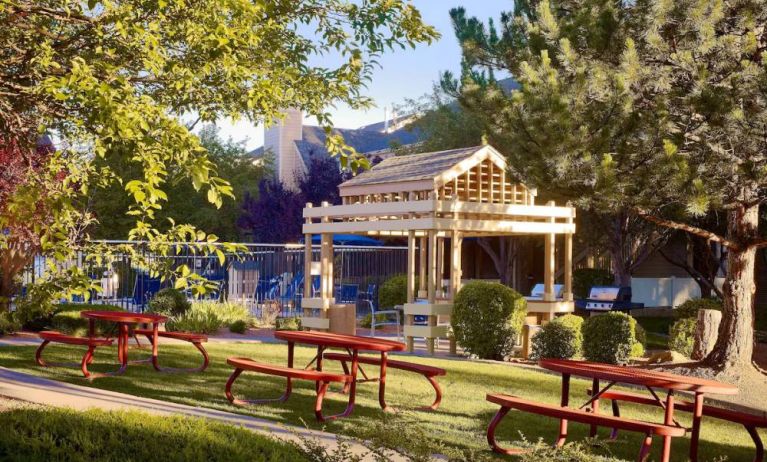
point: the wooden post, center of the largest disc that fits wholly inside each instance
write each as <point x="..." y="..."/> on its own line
<point x="549" y="262"/>
<point x="432" y="285"/>
<point x="422" y="268"/>
<point x="568" y="289"/>
<point x="455" y="274"/>
<point x="308" y="258"/>
<point x="410" y="319"/>
<point x="326" y="268"/>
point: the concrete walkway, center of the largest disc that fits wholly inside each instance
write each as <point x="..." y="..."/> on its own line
<point x="29" y="388"/>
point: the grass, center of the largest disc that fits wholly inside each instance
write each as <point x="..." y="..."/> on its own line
<point x="459" y="424"/>
<point x="43" y="434"/>
<point x="657" y="328"/>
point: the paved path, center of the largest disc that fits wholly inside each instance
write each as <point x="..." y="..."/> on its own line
<point x="25" y="387"/>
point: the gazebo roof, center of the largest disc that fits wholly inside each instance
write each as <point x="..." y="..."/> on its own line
<point x="412" y="167"/>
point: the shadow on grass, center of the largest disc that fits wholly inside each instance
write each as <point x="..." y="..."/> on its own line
<point x="459" y="423"/>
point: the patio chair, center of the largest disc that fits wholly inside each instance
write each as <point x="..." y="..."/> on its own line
<point x="374" y="314"/>
<point x="347" y="293"/>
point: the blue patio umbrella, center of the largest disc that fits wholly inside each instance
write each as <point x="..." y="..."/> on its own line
<point x="349" y="239"/>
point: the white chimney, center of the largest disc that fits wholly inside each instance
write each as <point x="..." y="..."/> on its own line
<point x="279" y="139"/>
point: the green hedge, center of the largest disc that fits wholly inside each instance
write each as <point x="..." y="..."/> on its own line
<point x="33" y="434"/>
<point x="690" y="308"/>
<point x="682" y="336"/>
<point x="612" y="338"/>
<point x="487" y="319"/>
<point x="66" y="318"/>
<point x="561" y="338"/>
<point x="393" y="291"/>
<point x="169" y="302"/>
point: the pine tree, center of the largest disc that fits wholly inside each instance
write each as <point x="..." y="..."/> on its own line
<point x="654" y="107"/>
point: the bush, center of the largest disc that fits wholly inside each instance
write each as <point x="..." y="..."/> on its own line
<point x="553" y="341"/>
<point x="41" y="434"/>
<point x="287" y="323"/>
<point x="169" y="302"/>
<point x="586" y="278"/>
<point x="66" y="319"/>
<point x="238" y="327"/>
<point x="393" y="292"/>
<point x="487" y="318"/>
<point x="8" y="324"/>
<point x="612" y="338"/>
<point x="559" y="339"/>
<point x="682" y="336"/>
<point x="690" y="308"/>
<point x="197" y="321"/>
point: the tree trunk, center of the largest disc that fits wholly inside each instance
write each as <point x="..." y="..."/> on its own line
<point x="735" y="344"/>
<point x="503" y="257"/>
<point x="706" y="333"/>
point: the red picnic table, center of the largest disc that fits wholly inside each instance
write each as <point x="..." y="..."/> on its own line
<point x="124" y="320"/>
<point x="648" y="379"/>
<point x="353" y="344"/>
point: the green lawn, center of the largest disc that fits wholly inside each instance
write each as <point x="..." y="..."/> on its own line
<point x="41" y="434"/>
<point x="459" y="424"/>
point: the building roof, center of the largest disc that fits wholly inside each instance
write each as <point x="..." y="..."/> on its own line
<point x="412" y="167"/>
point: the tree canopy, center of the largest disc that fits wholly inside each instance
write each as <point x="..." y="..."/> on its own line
<point x="113" y="76"/>
<point x="656" y="108"/>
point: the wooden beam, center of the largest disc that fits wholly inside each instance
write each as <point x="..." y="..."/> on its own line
<point x="568" y="276"/>
<point x="549" y="268"/>
<point x="308" y="259"/>
<point x="422" y="267"/>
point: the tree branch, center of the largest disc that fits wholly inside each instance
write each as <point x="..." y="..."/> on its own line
<point x="708" y="235"/>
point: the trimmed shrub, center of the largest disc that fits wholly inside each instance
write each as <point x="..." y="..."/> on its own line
<point x="199" y="322"/>
<point x="287" y="324"/>
<point x="487" y="319"/>
<point x="66" y="319"/>
<point x="612" y="338"/>
<point x="682" y="336"/>
<point x="554" y="341"/>
<point x="393" y="292"/>
<point x="585" y="278"/>
<point x="169" y="302"/>
<point x="227" y="312"/>
<point x="690" y="308"/>
<point x="238" y="327"/>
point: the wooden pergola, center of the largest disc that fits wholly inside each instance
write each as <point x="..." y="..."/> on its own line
<point x="436" y="199"/>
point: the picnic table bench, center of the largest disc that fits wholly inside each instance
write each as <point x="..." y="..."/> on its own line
<point x="195" y="339"/>
<point x="750" y="421"/>
<point x="508" y="402"/>
<point x="57" y="337"/>
<point x="429" y="372"/>
<point x="323" y="379"/>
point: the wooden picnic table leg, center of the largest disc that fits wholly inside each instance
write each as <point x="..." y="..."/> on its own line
<point x="155" y="340"/>
<point x="697" y="416"/>
<point x="382" y="382"/>
<point x="565" y="402"/>
<point x="353" y="386"/>
<point x="594" y="406"/>
<point x="92" y="333"/>
<point x="668" y="420"/>
<point x="123" y="342"/>
<point x="320" y="352"/>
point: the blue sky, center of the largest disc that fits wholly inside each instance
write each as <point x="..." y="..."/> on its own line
<point x="403" y="74"/>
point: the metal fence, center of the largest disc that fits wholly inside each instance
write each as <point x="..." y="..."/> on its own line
<point x="263" y="275"/>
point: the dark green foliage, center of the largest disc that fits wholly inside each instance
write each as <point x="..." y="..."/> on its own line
<point x="487" y="319"/>
<point x="287" y="324"/>
<point x="169" y="302"/>
<point x="8" y="324"/>
<point x="67" y="319"/>
<point x="60" y="434"/>
<point x="554" y="341"/>
<point x="238" y="327"/>
<point x="690" y="308"/>
<point x="682" y="336"/>
<point x="586" y="278"/>
<point x="612" y="338"/>
<point x="393" y="292"/>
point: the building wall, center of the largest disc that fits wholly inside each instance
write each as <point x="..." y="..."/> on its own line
<point x="280" y="138"/>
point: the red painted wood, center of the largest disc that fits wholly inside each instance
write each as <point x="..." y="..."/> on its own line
<point x="330" y="340"/>
<point x="186" y="336"/>
<point x="636" y="376"/>
<point x="578" y="415"/>
<point x="282" y="371"/>
<point x="58" y="337"/>
<point x="123" y="316"/>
